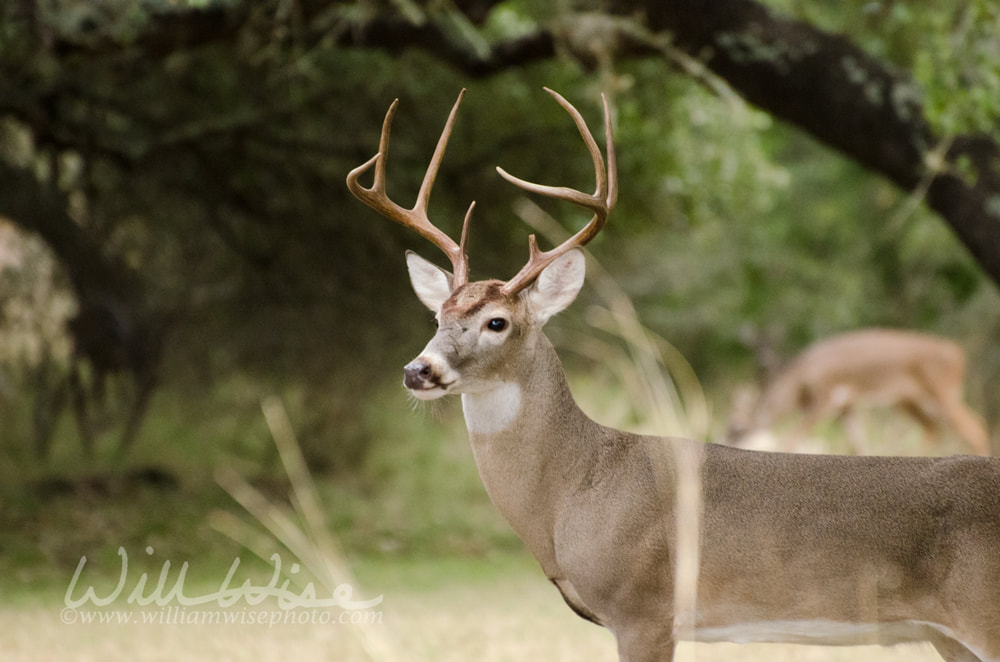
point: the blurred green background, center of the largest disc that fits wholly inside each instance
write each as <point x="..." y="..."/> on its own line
<point x="177" y="243"/>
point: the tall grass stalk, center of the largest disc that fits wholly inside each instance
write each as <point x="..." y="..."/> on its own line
<point x="663" y="388"/>
<point x="301" y="531"/>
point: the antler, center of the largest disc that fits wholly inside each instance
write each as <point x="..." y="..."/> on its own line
<point x="601" y="202"/>
<point x="415" y="218"/>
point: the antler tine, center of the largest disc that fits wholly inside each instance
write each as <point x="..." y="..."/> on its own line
<point x="415" y="218"/>
<point x="601" y="202"/>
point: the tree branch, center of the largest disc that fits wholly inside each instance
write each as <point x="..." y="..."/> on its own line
<point x="845" y="98"/>
<point x="395" y="35"/>
<point x="817" y="81"/>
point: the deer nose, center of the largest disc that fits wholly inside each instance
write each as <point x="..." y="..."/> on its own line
<point x="416" y="373"/>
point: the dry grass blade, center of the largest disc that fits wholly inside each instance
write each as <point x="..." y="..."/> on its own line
<point x="301" y="530"/>
<point x="663" y="402"/>
<point x="668" y="389"/>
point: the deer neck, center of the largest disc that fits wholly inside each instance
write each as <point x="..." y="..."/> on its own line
<point x="527" y="437"/>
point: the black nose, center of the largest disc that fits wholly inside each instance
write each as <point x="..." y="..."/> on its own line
<point x="416" y="373"/>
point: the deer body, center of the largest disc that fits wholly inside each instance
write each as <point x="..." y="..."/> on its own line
<point x="792" y="548"/>
<point x="920" y="374"/>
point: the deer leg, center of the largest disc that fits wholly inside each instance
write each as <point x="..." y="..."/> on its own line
<point x="645" y="642"/>
<point x="811" y="419"/>
<point x="968" y="424"/>
<point x="822" y="406"/>
<point x="853" y="430"/>
<point x="928" y="422"/>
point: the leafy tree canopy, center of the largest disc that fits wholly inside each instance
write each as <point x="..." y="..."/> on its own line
<point x="791" y="168"/>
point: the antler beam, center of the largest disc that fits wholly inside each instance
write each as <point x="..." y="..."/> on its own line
<point x="415" y="218"/>
<point x="600" y="202"/>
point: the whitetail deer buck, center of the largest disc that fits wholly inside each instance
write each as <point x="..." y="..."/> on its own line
<point x="793" y="548"/>
<point x="921" y="374"/>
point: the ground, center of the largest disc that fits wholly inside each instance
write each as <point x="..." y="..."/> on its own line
<point x="497" y="608"/>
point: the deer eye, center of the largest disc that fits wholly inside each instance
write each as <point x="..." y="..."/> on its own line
<point x="497" y="324"/>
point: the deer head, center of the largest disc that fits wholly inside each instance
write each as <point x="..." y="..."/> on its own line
<point x="484" y="327"/>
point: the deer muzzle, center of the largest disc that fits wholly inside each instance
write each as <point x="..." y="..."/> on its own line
<point x="417" y="373"/>
<point x="424" y="376"/>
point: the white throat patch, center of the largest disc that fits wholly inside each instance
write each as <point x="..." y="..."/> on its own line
<point x="492" y="411"/>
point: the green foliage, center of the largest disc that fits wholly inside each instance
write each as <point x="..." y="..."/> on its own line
<point x="960" y="68"/>
<point x="231" y="203"/>
<point x="216" y="172"/>
<point x="951" y="48"/>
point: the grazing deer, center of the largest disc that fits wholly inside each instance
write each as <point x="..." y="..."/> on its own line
<point x="792" y="548"/>
<point x="921" y="374"/>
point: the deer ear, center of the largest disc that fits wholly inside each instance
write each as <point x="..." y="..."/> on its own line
<point x="431" y="283"/>
<point x="557" y="286"/>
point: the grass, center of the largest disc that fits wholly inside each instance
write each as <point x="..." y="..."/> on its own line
<point x="497" y="608"/>
<point x="418" y="529"/>
<point x="415" y="523"/>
